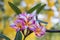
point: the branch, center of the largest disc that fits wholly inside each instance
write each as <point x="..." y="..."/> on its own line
<point x="53" y="31"/>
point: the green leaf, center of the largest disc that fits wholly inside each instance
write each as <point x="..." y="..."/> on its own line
<point x="18" y="36"/>
<point x="35" y="7"/>
<point x="16" y="9"/>
<point x="3" y="36"/>
<point x="40" y="8"/>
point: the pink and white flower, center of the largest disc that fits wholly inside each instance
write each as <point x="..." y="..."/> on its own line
<point x="24" y="21"/>
<point x="28" y="21"/>
<point x="39" y="31"/>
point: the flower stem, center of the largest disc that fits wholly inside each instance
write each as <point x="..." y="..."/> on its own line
<point x="27" y="33"/>
<point x="24" y="38"/>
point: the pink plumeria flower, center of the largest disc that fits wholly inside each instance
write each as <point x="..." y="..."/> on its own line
<point x="24" y="21"/>
<point x="39" y="30"/>
<point x="28" y="21"/>
<point x="25" y="16"/>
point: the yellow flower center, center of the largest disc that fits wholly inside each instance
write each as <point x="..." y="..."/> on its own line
<point x="19" y="25"/>
<point x="38" y="30"/>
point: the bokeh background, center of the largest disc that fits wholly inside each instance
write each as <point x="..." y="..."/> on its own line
<point x="50" y="14"/>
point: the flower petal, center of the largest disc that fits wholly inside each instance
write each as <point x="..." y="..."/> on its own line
<point x="15" y="27"/>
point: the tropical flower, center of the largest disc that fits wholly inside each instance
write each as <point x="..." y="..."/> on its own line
<point x="23" y="21"/>
<point x="39" y="31"/>
<point x="28" y="21"/>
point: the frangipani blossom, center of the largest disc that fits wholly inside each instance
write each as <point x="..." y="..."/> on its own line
<point x="39" y="31"/>
<point x="28" y="21"/>
<point x="24" y="21"/>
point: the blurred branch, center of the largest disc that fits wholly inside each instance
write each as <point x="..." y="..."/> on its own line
<point x="53" y="31"/>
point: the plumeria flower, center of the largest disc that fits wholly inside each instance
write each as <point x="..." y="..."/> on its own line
<point x="18" y="25"/>
<point x="28" y="21"/>
<point x="24" y="21"/>
<point x="39" y="30"/>
<point x="25" y="16"/>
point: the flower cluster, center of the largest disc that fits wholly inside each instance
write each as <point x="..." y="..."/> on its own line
<point x="28" y="21"/>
